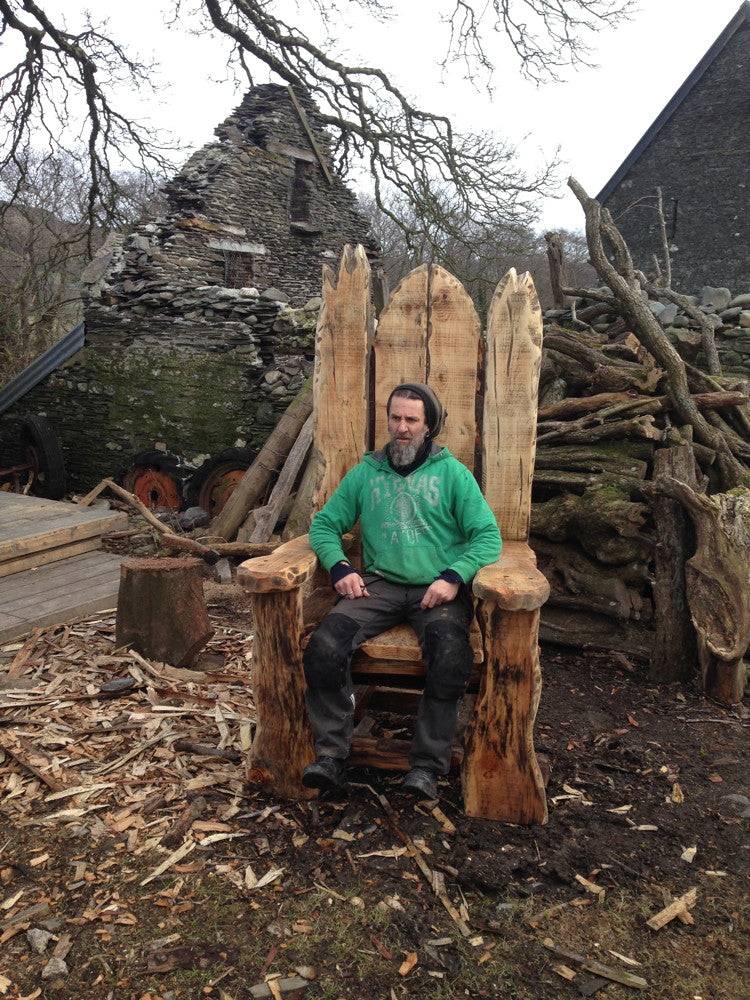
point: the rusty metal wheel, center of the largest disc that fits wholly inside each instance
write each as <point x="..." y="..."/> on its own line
<point x="154" y="478"/>
<point x="214" y="482"/>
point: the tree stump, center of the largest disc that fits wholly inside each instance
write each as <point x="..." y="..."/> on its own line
<point x="718" y="585"/>
<point x="675" y="653"/>
<point x="161" y="610"/>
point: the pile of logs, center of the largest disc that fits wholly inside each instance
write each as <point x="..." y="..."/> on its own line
<point x="604" y="414"/>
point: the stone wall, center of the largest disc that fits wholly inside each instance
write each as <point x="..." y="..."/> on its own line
<point x="182" y="349"/>
<point x="194" y="390"/>
<point x="701" y="160"/>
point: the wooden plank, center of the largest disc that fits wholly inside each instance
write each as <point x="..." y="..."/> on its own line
<point x="22" y="523"/>
<point x="365" y="666"/>
<point x="39" y="589"/>
<point x="36" y="536"/>
<point x="94" y="589"/>
<point x="9" y="622"/>
<point x="22" y="507"/>
<point x="311" y="137"/>
<point x="36" y="559"/>
<point x="267" y="516"/>
<point x="400" y="643"/>
<point x="64" y="614"/>
<point x="400" y="347"/>
<point x="514" y="350"/>
<point x="17" y="501"/>
<point x="106" y="577"/>
<point x="340" y="380"/>
<point x="389" y="755"/>
<point x="452" y="358"/>
<point x="47" y="582"/>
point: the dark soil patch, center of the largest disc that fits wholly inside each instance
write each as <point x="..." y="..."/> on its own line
<point x="612" y="741"/>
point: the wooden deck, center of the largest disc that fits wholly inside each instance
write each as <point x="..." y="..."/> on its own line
<point x="35" y="532"/>
<point x="50" y="569"/>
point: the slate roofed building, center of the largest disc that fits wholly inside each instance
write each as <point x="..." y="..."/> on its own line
<point x="200" y="323"/>
<point x="698" y="151"/>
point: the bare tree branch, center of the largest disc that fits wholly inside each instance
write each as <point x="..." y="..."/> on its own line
<point x="62" y="79"/>
<point x="626" y="285"/>
<point x="63" y="75"/>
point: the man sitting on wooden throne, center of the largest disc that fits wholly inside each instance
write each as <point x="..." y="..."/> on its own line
<point x="426" y="530"/>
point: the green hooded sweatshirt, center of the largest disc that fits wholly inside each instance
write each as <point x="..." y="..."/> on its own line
<point x="413" y="527"/>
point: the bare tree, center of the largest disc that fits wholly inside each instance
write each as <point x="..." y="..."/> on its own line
<point x="67" y="73"/>
<point x="45" y="243"/>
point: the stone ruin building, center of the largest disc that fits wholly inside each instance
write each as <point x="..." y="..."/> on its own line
<point x="698" y="151"/>
<point x="200" y="323"/>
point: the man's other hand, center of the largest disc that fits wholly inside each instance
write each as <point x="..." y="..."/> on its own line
<point x="439" y="592"/>
<point x="352" y="585"/>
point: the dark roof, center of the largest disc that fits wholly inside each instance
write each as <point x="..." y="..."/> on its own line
<point x="41" y="367"/>
<point x="740" y="18"/>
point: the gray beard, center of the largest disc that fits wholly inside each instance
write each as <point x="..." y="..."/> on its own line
<point x="404" y="454"/>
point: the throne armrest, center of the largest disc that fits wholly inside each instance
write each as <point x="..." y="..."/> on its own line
<point x="513" y="582"/>
<point x="286" y="568"/>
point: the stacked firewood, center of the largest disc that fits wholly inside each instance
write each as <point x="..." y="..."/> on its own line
<point x="604" y="411"/>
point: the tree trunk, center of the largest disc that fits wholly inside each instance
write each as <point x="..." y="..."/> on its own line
<point x="555" y="258"/>
<point x="283" y="743"/>
<point x="718" y="584"/>
<point x="161" y="611"/>
<point x="500" y="773"/>
<point x="675" y="654"/>
<point x="270" y="458"/>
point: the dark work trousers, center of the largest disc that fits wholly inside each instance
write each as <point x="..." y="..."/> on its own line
<point x="443" y="634"/>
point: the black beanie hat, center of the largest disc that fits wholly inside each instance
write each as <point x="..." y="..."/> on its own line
<point x="435" y="415"/>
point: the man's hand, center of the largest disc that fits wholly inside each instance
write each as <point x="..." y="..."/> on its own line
<point x="439" y="592"/>
<point x="351" y="586"/>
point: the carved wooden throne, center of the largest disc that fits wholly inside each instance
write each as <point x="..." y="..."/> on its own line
<point x="430" y="332"/>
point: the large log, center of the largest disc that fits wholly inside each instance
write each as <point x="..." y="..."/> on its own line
<point x="300" y="516"/>
<point x="500" y="773"/>
<point x="583" y="629"/>
<point x="718" y="584"/>
<point x="269" y="459"/>
<point x="267" y="516"/>
<point x="638" y="428"/>
<point x="283" y="741"/>
<point x="579" y="582"/>
<point x="675" y="653"/>
<point x="594" y="459"/>
<point x="602" y="521"/>
<point x="161" y="610"/>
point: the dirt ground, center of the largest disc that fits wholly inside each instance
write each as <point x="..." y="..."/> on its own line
<point x="639" y="775"/>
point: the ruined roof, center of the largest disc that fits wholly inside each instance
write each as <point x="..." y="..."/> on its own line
<point x="741" y="18"/>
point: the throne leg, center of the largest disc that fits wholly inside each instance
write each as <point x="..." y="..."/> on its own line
<point x="283" y="743"/>
<point x="500" y="773"/>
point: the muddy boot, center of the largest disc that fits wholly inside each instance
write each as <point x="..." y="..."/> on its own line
<point x="328" y="774"/>
<point x="421" y="782"/>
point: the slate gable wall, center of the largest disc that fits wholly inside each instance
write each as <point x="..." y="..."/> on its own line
<point x="701" y="159"/>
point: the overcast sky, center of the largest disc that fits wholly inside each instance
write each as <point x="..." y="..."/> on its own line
<point x="594" y="116"/>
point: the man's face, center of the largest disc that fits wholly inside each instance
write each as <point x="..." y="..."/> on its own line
<point x="407" y="428"/>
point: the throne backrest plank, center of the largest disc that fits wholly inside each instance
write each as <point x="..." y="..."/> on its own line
<point x="512" y="363"/>
<point x="340" y="376"/>
<point x="430" y="332"/>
